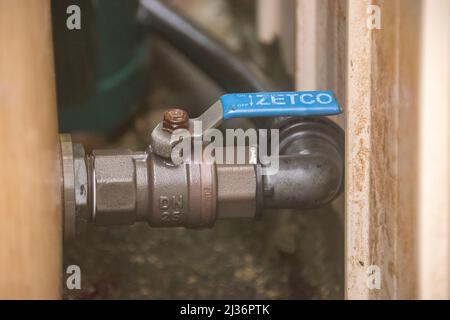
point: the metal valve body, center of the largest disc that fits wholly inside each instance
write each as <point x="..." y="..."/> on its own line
<point x="121" y="187"/>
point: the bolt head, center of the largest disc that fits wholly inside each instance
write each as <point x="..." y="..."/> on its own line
<point x="175" y="119"/>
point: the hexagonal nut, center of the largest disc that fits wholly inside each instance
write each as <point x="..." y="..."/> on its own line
<point x="115" y="187"/>
<point x="81" y="182"/>
<point x="175" y="119"/>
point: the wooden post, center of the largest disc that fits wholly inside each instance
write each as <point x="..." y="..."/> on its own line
<point x="375" y="75"/>
<point x="434" y="144"/>
<point x="382" y="154"/>
<point x="30" y="188"/>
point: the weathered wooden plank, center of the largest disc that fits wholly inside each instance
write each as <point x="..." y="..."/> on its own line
<point x="321" y="47"/>
<point x="276" y="20"/>
<point x="358" y="145"/>
<point x="382" y="135"/>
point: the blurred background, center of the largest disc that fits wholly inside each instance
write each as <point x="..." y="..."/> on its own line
<point x="114" y="82"/>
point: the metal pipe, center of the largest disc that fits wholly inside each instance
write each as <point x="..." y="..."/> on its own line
<point x="120" y="187"/>
<point x="311" y="165"/>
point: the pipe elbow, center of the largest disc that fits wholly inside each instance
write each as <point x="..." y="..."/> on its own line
<point x="311" y="166"/>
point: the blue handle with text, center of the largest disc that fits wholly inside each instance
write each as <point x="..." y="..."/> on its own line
<point x="276" y="104"/>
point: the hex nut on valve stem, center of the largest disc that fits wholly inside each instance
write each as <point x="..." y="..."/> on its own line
<point x="175" y="119"/>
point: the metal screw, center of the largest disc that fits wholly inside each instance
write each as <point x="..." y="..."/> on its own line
<point x="175" y="119"/>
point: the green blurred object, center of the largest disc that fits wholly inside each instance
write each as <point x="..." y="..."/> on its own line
<point x="100" y="69"/>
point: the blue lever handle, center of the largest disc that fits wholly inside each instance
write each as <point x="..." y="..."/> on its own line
<point x="276" y="104"/>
